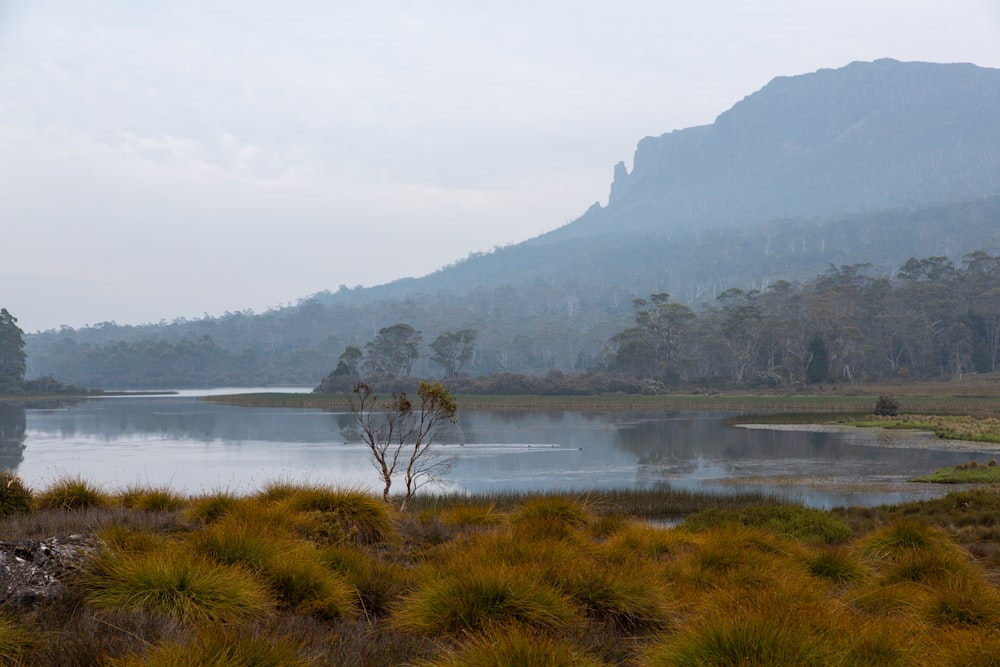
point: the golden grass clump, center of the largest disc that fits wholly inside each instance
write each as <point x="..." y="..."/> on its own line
<point x="71" y="493"/>
<point x="472" y="514"/>
<point x="123" y="539"/>
<point x="345" y="514"/>
<point x="470" y="600"/>
<point x="378" y="583"/>
<point x="900" y="538"/>
<point x="549" y="516"/>
<point x="305" y="585"/>
<point x="151" y="499"/>
<point x="645" y="542"/>
<point x="222" y="647"/>
<point x="14" y="640"/>
<point x="15" y="497"/>
<point x="836" y="565"/>
<point x="514" y="645"/>
<point x="211" y="507"/>
<point x="176" y="584"/>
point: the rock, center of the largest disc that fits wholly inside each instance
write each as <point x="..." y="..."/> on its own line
<point x="33" y="571"/>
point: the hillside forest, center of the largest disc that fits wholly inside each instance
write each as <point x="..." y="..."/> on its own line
<point x="932" y="318"/>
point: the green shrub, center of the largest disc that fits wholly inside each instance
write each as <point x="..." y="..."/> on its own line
<point x="15" y="497"/>
<point x="71" y="493"/>
<point x="886" y="406"/>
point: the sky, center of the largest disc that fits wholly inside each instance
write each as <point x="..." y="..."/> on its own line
<point x="163" y="160"/>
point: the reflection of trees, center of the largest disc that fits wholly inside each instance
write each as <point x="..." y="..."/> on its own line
<point x="13" y="424"/>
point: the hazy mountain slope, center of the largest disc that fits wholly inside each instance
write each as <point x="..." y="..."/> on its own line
<point x="864" y="137"/>
<point x="871" y="163"/>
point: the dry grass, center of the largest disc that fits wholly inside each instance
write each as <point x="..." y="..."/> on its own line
<point x="306" y="575"/>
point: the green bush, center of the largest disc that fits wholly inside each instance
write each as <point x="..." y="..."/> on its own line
<point x="886" y="406"/>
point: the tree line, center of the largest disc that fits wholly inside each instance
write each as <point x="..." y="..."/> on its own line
<point x="931" y="319"/>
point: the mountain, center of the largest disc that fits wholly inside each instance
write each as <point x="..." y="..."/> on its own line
<point x="871" y="163"/>
<point x="866" y="137"/>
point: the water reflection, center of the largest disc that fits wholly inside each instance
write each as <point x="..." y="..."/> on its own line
<point x="13" y="424"/>
<point x="194" y="446"/>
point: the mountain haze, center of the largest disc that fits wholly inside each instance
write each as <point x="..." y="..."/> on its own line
<point x="866" y="137"/>
<point x="870" y="163"/>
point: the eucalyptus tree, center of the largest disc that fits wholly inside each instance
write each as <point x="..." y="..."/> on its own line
<point x="393" y="351"/>
<point x="12" y="357"/>
<point x="452" y="350"/>
<point x="400" y="435"/>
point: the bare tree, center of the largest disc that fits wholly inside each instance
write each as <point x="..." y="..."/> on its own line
<point x="399" y="435"/>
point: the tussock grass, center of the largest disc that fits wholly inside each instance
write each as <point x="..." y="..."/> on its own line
<point x="378" y="583"/>
<point x="177" y="585"/>
<point x="959" y="601"/>
<point x="308" y="587"/>
<point x="122" y="539"/>
<point x="151" y="499"/>
<point x="642" y="542"/>
<point x="348" y="514"/>
<point x="14" y="640"/>
<point x="801" y="523"/>
<point x="836" y="565"/>
<point x="448" y="603"/>
<point x="15" y="497"/>
<point x="223" y="646"/>
<point x="514" y="645"/>
<point x="71" y="493"/>
<point x="519" y="579"/>
<point x="211" y="507"/>
<point x="473" y="514"/>
<point x="901" y="538"/>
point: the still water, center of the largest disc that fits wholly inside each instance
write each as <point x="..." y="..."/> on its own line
<point x="197" y="447"/>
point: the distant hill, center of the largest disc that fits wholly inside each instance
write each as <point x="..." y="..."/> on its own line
<point x="862" y="138"/>
<point x="870" y="163"/>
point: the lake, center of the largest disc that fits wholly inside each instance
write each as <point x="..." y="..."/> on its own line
<point x="196" y="447"/>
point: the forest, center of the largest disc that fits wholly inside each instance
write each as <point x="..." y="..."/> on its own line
<point x="932" y="318"/>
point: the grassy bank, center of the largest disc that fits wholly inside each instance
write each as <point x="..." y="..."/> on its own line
<point x="311" y="575"/>
<point x="763" y="403"/>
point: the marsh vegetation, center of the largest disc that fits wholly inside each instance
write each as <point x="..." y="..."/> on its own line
<point x="313" y="575"/>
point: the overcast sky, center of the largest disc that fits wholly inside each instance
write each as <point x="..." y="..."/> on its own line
<point x="164" y="159"/>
